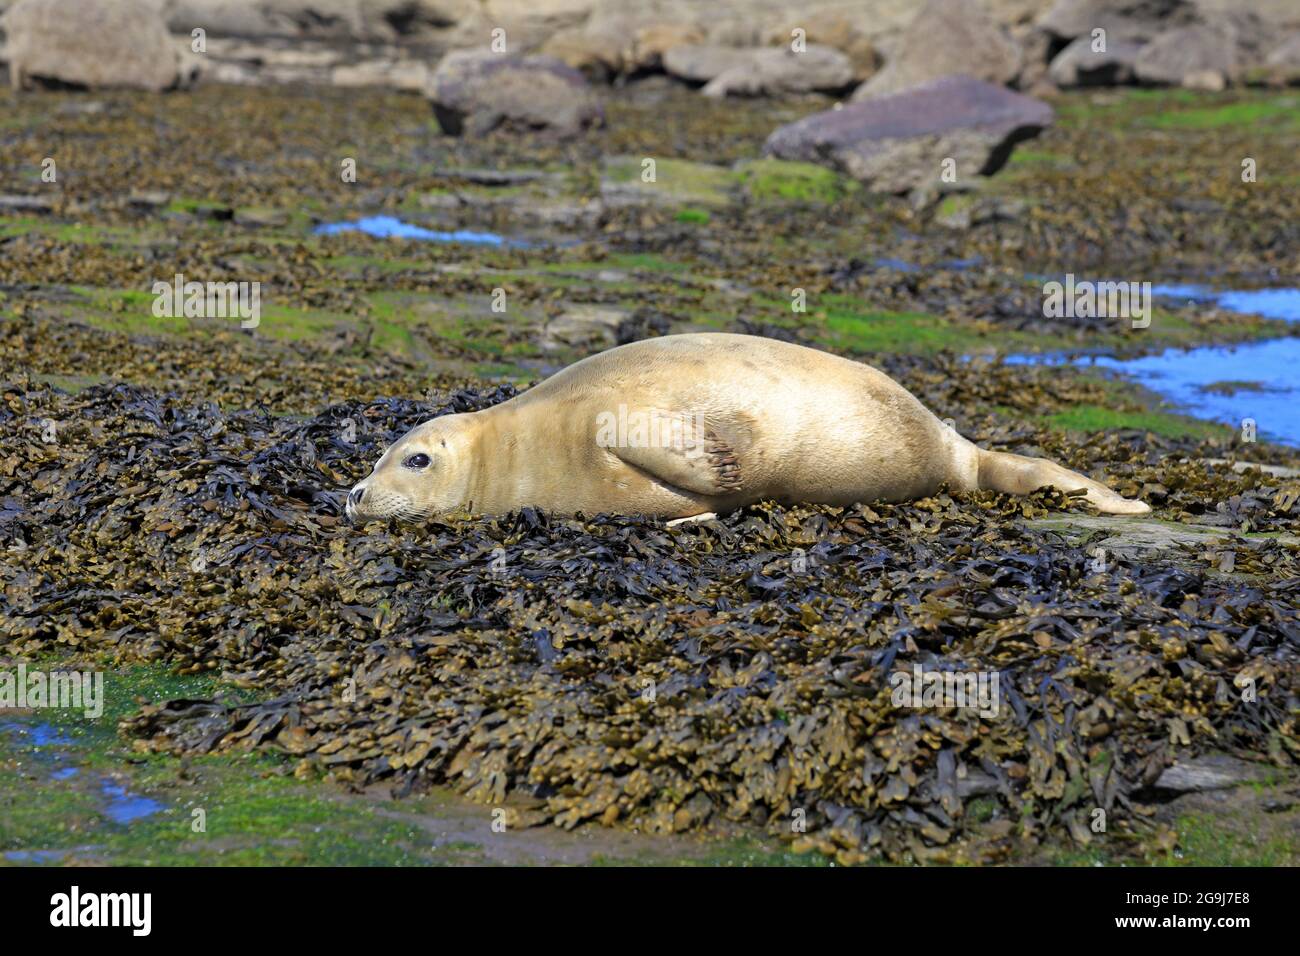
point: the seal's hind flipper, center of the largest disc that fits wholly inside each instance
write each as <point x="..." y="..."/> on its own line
<point x="1018" y="475"/>
<point x="681" y="450"/>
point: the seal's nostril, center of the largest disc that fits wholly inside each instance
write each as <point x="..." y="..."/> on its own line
<point x="356" y="496"/>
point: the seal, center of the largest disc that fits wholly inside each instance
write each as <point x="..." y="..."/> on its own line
<point x="689" y="426"/>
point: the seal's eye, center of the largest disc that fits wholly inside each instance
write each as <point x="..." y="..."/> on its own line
<point x="416" y="461"/>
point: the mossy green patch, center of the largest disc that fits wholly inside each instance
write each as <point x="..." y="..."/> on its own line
<point x="690" y="215"/>
<point x="768" y="179"/>
<point x="1238" y="116"/>
<point x="672" y="180"/>
<point x="1094" y="418"/>
<point x="849" y="325"/>
<point x="1203" y="840"/>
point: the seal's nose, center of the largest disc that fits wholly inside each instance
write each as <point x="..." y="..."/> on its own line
<point x="355" y="496"/>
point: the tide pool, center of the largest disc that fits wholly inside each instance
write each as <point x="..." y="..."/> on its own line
<point x="1257" y="380"/>
<point x="390" y="227"/>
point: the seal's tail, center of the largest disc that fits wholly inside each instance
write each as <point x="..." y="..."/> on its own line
<point x="1018" y="475"/>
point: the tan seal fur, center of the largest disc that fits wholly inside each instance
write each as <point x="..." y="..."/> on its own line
<point x="741" y="419"/>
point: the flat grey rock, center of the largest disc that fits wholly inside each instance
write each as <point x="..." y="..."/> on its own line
<point x="899" y="142"/>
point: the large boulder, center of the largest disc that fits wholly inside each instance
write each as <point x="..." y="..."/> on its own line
<point x="476" y="92"/>
<point x="947" y="37"/>
<point x="89" y="43"/>
<point x="1083" y="63"/>
<point x="1188" y="53"/>
<point x="900" y="142"/>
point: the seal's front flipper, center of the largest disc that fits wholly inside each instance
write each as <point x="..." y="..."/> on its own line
<point x="685" y="451"/>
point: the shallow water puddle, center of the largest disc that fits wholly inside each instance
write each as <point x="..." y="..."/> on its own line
<point x="124" y="806"/>
<point x="1270" y="303"/>
<point x="1231" y="383"/>
<point x="390" y="227"/>
<point x="56" y="751"/>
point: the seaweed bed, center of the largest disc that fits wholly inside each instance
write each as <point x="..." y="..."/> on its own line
<point x="170" y="491"/>
<point x="609" y="669"/>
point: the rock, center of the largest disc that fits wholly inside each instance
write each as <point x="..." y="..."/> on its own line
<point x="947" y="37"/>
<point x="216" y="211"/>
<point x="1183" y="51"/>
<point x="1207" y="81"/>
<point x="1281" y="15"/>
<point x="774" y="70"/>
<point x="1211" y="772"/>
<point x="602" y="52"/>
<point x="476" y="92"/>
<point x="598" y="58"/>
<point x="410" y="76"/>
<point x="832" y="28"/>
<point x="493" y="177"/>
<point x="1080" y="65"/>
<point x="25" y="204"/>
<point x="652" y="43"/>
<point x="87" y="43"/>
<point x="898" y="143"/>
<point x="260" y="216"/>
<point x="1136" y="21"/>
<point x="964" y="212"/>
<point x="677" y="182"/>
<point x="361" y="21"/>
<point x="586" y="327"/>
<point x="1282" y="65"/>
<point x="1036" y="48"/>
<point x="638" y="35"/>
<point x="148" y="200"/>
<point x="1139" y="538"/>
<point x="700" y="63"/>
<point x="1278" y="471"/>
<point x="528" y="24"/>
<point x="1017" y="12"/>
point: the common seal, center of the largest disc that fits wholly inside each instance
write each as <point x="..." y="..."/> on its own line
<point x="692" y="425"/>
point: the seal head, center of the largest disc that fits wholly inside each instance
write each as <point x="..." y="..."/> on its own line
<point x="421" y="474"/>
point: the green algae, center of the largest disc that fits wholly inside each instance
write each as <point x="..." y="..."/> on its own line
<point x="1094" y="418"/>
<point x="776" y="179"/>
